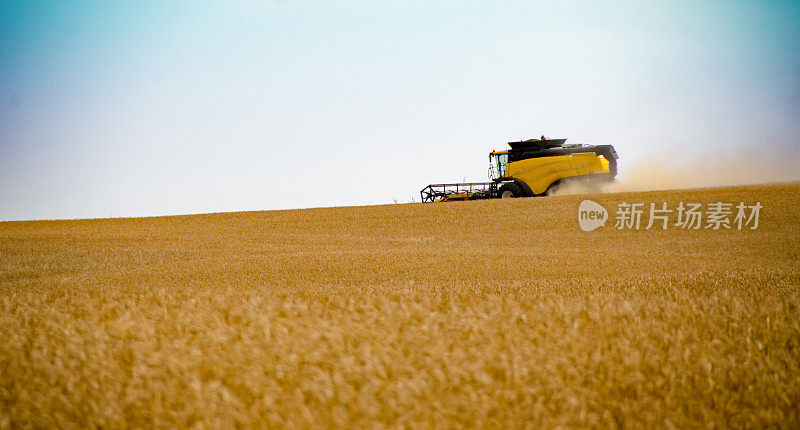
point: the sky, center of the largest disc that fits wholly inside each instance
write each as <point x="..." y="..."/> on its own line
<point x="118" y="109"/>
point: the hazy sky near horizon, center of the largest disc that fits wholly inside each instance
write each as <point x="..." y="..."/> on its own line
<point x="153" y="108"/>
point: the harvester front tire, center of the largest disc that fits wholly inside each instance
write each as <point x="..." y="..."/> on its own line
<point x="510" y="190"/>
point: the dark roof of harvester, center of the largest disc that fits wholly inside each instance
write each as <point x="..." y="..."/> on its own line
<point x="537" y="143"/>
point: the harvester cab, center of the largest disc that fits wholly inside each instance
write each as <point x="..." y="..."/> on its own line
<point x="497" y="164"/>
<point x="534" y="167"/>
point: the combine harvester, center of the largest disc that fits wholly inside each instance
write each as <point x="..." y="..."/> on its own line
<point x="533" y="167"/>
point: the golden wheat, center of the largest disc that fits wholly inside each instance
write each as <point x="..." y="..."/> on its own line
<point x="498" y="313"/>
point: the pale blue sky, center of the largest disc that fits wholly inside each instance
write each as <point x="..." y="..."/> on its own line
<point x="156" y="108"/>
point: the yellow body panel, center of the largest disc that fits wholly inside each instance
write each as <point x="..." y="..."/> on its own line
<point x="539" y="173"/>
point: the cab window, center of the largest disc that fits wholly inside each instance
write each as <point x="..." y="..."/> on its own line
<point x="501" y="160"/>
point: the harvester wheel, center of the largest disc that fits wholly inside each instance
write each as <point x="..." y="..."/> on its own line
<point x="510" y="190"/>
<point x="551" y="190"/>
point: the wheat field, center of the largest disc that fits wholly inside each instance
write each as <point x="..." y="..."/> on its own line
<point x="496" y="313"/>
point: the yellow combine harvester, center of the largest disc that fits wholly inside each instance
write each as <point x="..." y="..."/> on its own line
<point x="533" y="167"/>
